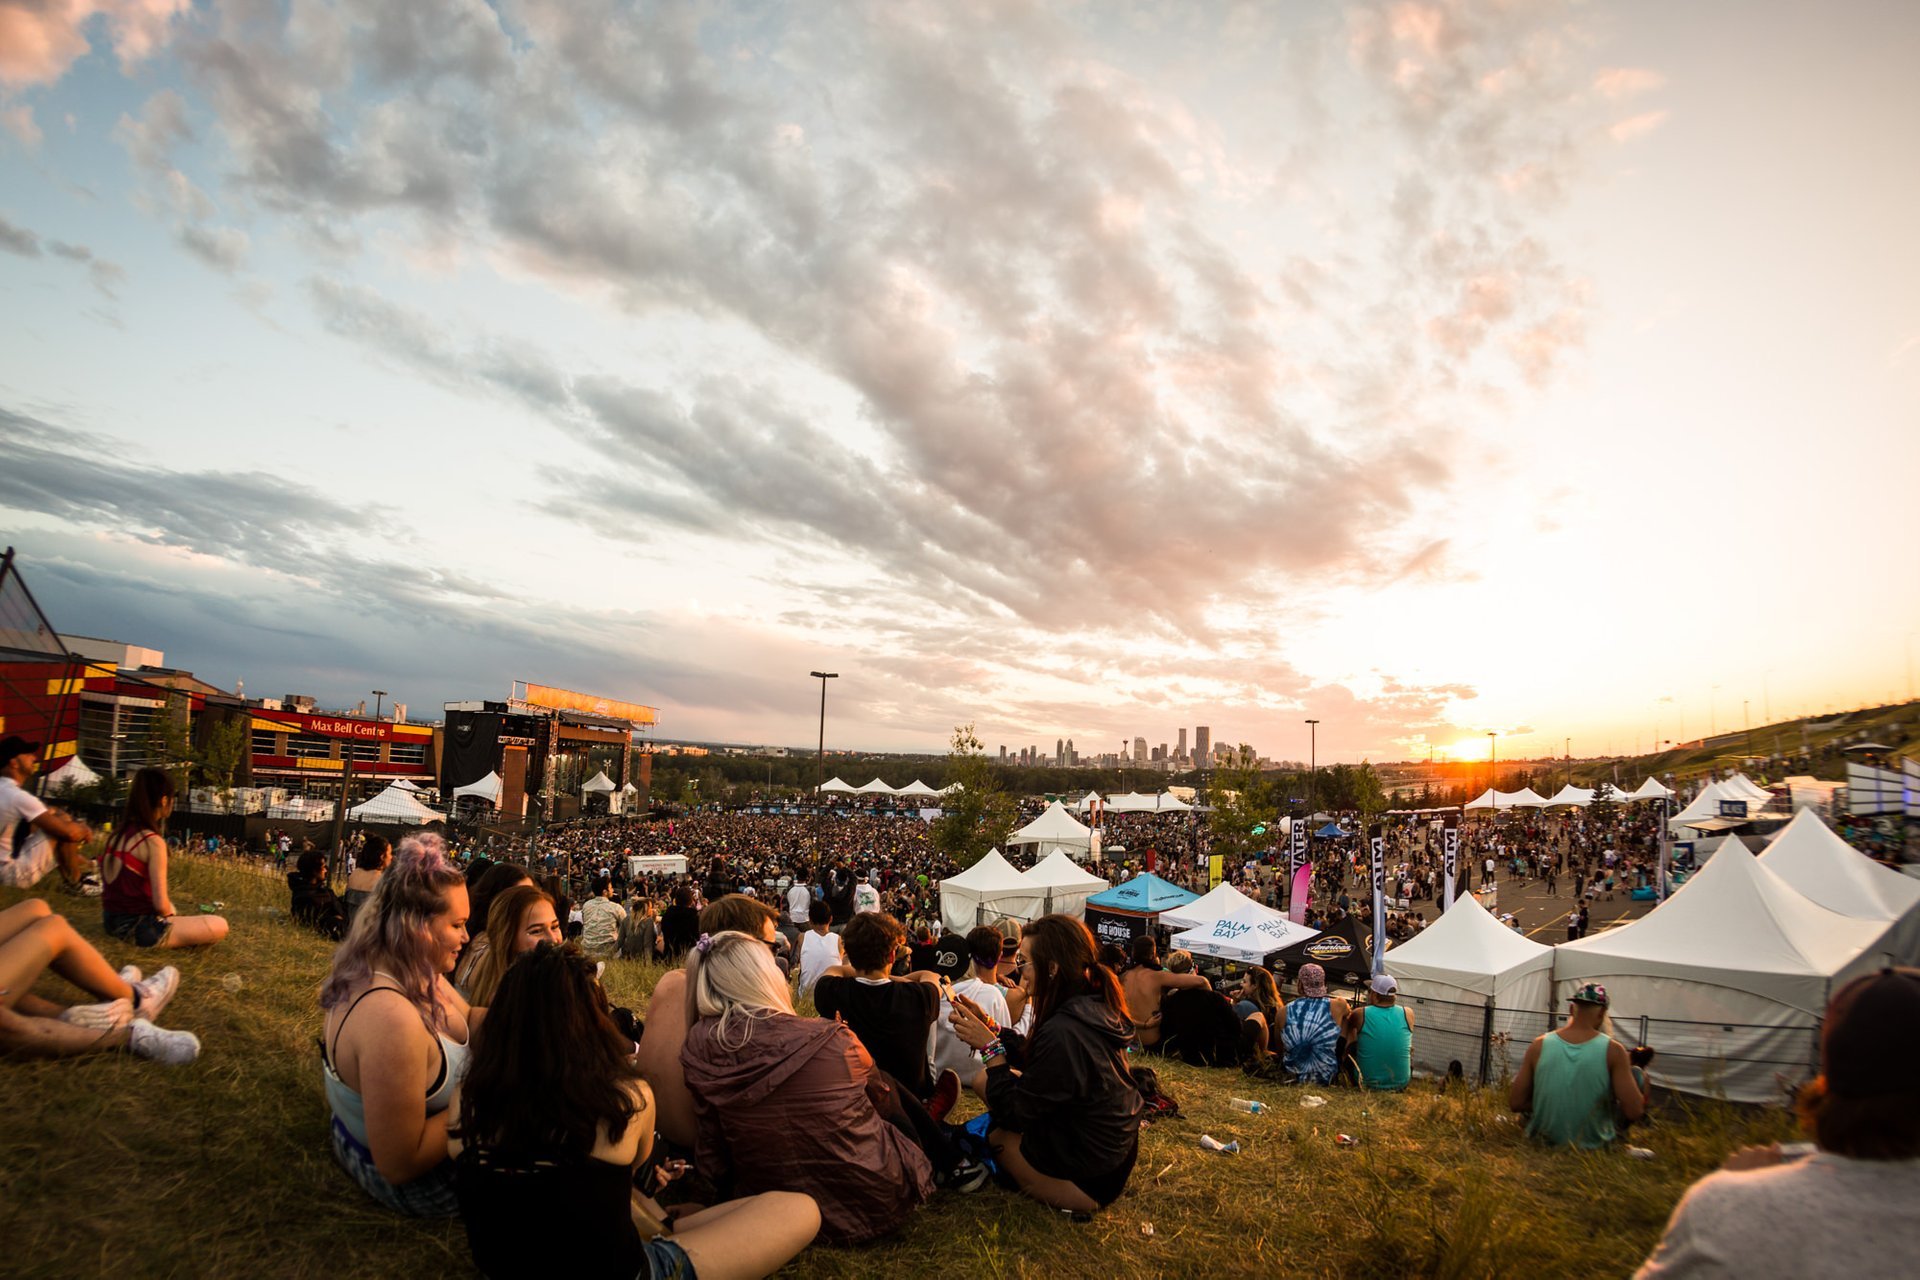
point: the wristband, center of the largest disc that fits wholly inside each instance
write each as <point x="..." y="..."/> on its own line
<point x="994" y="1052"/>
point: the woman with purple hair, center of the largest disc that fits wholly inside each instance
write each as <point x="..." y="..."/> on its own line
<point x="396" y="1036"/>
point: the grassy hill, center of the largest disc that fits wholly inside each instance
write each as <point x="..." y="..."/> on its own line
<point x="112" y="1165"/>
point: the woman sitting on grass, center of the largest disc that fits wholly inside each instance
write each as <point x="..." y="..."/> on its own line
<point x="395" y="1042"/>
<point x="549" y="1126"/>
<point x="1066" y="1113"/>
<point x="784" y="1101"/>
<point x="482" y="889"/>
<point x="34" y="939"/>
<point x="372" y="859"/>
<point x="135" y="905"/>
<point x="521" y="919"/>
<point x="1257" y="1003"/>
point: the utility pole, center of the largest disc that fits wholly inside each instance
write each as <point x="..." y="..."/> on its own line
<point x="820" y="757"/>
<point x="1313" y="767"/>
<point x="378" y="696"/>
<point x="1493" y="771"/>
<point x="339" y="859"/>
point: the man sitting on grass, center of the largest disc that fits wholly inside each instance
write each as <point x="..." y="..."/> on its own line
<point x="1571" y="1079"/>
<point x="950" y="1052"/>
<point x="1146" y="983"/>
<point x="892" y="1017"/>
<point x="32" y="940"/>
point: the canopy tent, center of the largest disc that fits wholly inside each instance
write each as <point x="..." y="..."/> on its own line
<point x="1248" y="936"/>
<point x="1132" y="802"/>
<point x="599" y="782"/>
<point x="1571" y="794"/>
<point x="1457" y="968"/>
<point x="838" y="785"/>
<point x="1167" y="802"/>
<point x="1218" y="903"/>
<point x="1707" y="805"/>
<point x="1146" y="893"/>
<point x="395" y="805"/>
<point x="1087" y="802"/>
<point x="1823" y="867"/>
<point x="1740" y="787"/>
<point x="949" y="789"/>
<point x="1332" y="831"/>
<point x="874" y="788"/>
<point x="1344" y="950"/>
<point x="487" y="788"/>
<point x="916" y="788"/>
<point x="1732" y="975"/>
<point x="406" y="784"/>
<point x="1524" y="798"/>
<point x="1609" y="793"/>
<point x="1066" y="887"/>
<point x="1056" y="829"/>
<point x="629" y="790"/>
<point x="70" y="776"/>
<point x="985" y="891"/>
<point x="1651" y="789"/>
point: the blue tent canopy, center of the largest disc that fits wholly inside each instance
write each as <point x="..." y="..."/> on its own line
<point x="1331" y="830"/>
<point x="1145" y="892"/>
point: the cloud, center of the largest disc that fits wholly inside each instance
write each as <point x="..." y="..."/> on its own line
<point x="106" y="276"/>
<point x="40" y="39"/>
<point x="223" y="248"/>
<point x="1625" y="82"/>
<point x="151" y="137"/>
<point x="18" y="240"/>
<point x="18" y="120"/>
<point x="1637" y="126"/>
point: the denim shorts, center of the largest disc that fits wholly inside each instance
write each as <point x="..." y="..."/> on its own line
<point x="143" y="930"/>
<point x="666" y="1260"/>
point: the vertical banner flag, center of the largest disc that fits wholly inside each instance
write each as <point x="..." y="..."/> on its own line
<point x="1302" y="890"/>
<point x="1214" y="867"/>
<point x="1296" y="859"/>
<point x="1379" y="843"/>
<point x="1450" y="855"/>
<point x="1660" y="856"/>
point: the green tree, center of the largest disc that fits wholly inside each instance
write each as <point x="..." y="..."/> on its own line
<point x="222" y="745"/>
<point x="1243" y="798"/>
<point x="979" y="816"/>
<point x="168" y="744"/>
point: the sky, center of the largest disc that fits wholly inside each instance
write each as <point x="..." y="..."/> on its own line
<point x="1074" y="370"/>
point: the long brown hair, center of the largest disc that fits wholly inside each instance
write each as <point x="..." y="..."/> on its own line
<point x="1064" y="963"/>
<point x="149" y="789"/>
<point x="504" y="918"/>
<point x="549" y="1067"/>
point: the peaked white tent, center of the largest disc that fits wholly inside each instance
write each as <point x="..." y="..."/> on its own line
<point x="1087" y="802"/>
<point x="1132" y="802"/>
<point x="1065" y="885"/>
<point x="71" y="776"/>
<point x="837" y="785"/>
<point x="987" y="890"/>
<point x="406" y="784"/>
<point x="1707" y="805"/>
<point x="599" y="782"/>
<point x="1167" y="802"/>
<point x="1823" y="867"/>
<point x="1248" y="936"/>
<point x="1571" y="794"/>
<point x="394" y="805"/>
<point x="487" y="788"/>
<point x="874" y="788"/>
<point x="1741" y="787"/>
<point x="917" y="788"/>
<point x="949" y="789"/>
<point x="1651" y="789"/>
<point x="1459" y="966"/>
<point x="1055" y="829"/>
<point x="1524" y="798"/>
<point x="1732" y="974"/>
<point x="629" y="790"/>
<point x="1218" y="903"/>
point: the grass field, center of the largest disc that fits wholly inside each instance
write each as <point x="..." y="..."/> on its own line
<point x="115" y="1166"/>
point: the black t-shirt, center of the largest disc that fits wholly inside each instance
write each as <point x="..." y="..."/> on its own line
<point x="680" y="926"/>
<point x="891" y="1019"/>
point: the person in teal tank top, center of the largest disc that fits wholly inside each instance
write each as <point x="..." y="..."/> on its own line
<point x="1382" y="1034"/>
<point x="1572" y="1079"/>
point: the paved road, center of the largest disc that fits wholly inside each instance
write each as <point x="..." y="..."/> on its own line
<point x="1543" y="916"/>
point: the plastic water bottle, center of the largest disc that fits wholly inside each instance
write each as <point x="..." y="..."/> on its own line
<point x="1211" y="1143"/>
<point x="1248" y="1105"/>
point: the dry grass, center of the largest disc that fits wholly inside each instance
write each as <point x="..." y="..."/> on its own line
<point x="111" y="1165"/>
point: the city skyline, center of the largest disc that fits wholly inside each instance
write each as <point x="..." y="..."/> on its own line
<point x="1422" y="368"/>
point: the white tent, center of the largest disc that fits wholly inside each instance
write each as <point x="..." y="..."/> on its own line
<point x="599" y="782"/>
<point x="987" y="890"/>
<point x="629" y="790"/>
<point x="1732" y="974"/>
<point x="1066" y="887"/>
<point x="1132" y="802"/>
<point x="1170" y="803"/>
<point x="1217" y="903"/>
<point x="1087" y="802"/>
<point x="1651" y="789"/>
<point x="1740" y="787"/>
<point x="488" y="789"/>
<point x="71" y="776"/>
<point x="1822" y="866"/>
<point x="837" y="785"/>
<point x="1524" y="798"/>
<point x="1248" y="936"/>
<point x="1055" y="829"/>
<point x="406" y="784"/>
<point x="1571" y="794"/>
<point x="1454" y="969"/>
<point x="394" y="805"/>
<point x="874" y="788"/>
<point x="1528" y="798"/>
<point x="917" y="788"/>
<point x="949" y="789"/>
<point x="1707" y="805"/>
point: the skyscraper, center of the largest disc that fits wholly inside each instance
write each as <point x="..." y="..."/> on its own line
<point x="1139" y="750"/>
<point x="1180" y="752"/>
<point x="1202" y="743"/>
<point x="1059" y="752"/>
<point x="1073" y="757"/>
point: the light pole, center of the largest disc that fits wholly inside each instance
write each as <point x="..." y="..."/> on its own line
<point x="1313" y="768"/>
<point x="820" y="756"/>
<point x="1493" y="771"/>
<point x="1569" y="762"/>
<point x="378" y="694"/>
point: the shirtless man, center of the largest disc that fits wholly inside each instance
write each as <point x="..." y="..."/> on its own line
<point x="1145" y="982"/>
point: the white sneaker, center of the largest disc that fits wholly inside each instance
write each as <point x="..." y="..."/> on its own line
<point x="130" y="974"/>
<point x="154" y="992"/>
<point x="106" y="1016"/>
<point x="175" y="1048"/>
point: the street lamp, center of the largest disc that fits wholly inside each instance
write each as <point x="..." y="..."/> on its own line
<point x="1313" y="768"/>
<point x="820" y="759"/>
<point x="1493" y="770"/>
<point x="378" y="694"/>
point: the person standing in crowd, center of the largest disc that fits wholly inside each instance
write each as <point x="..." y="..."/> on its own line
<point x="640" y="939"/>
<point x="1852" y="1208"/>
<point x="680" y="923"/>
<point x="799" y="912"/>
<point x="135" y="904"/>
<point x="549" y="1126"/>
<point x="369" y="860"/>
<point x="1572" y="1079"/>
<point x="395" y="1040"/>
<point x="1065" y="1111"/>
<point x="600" y="921"/>
<point x="866" y="898"/>
<point x="1310" y="1038"/>
<point x="1382" y="1035"/>
<point x="820" y="948"/>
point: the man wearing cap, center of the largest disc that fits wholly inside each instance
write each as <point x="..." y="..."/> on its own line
<point x="1382" y="1035"/>
<point x="1852" y="1208"/>
<point x="1571" y="1078"/>
<point x="21" y="812"/>
<point x="971" y="964"/>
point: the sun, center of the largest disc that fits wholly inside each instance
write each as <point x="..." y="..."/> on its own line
<point x="1468" y="749"/>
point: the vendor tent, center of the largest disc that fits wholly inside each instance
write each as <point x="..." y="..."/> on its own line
<point x="406" y="784"/>
<point x="1167" y="802"/>
<point x="917" y="788"/>
<point x="1065" y="885"/>
<point x="1220" y="902"/>
<point x="837" y="785"/>
<point x="1332" y="831"/>
<point x="1707" y="805"/>
<point x="949" y="789"/>
<point x="1087" y="802"/>
<point x="1524" y="798"/>
<point x="1822" y="866"/>
<point x="1055" y="829"/>
<point x="1248" y="936"/>
<point x="1740" y="787"/>
<point x="70" y="776"/>
<point x="874" y="788"/>
<point x="985" y="891"/>
<point x="394" y="805"/>
<point x="1145" y="893"/>
<point x="1571" y="794"/>
<point x="1459" y="968"/>
<point x="1728" y="978"/>
<point x="1344" y="950"/>
<point x="599" y="782"/>
<point x="488" y="789"/>
<point x="1132" y="802"/>
<point x="1649" y="790"/>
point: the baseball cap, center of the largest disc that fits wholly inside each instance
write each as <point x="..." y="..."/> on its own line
<point x="14" y="745"/>
<point x="950" y="958"/>
<point x="1590" y="993"/>
<point x="1312" y="979"/>
<point x="1873" y="1035"/>
<point x="1384" y="985"/>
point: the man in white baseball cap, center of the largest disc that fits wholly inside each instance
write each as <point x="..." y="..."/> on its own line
<point x="1382" y="1035"/>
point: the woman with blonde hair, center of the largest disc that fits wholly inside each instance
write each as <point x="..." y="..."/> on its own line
<point x="784" y="1101"/>
<point x="396" y="1034"/>
<point x="520" y="919"/>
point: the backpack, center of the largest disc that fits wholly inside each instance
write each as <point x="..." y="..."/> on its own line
<point x="1155" y="1104"/>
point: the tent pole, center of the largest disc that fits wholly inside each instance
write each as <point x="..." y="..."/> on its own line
<point x="1486" y="1042"/>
